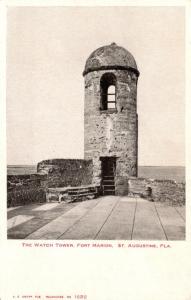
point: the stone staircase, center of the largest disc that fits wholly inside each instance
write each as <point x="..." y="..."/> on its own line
<point x="72" y="194"/>
<point x="108" y="185"/>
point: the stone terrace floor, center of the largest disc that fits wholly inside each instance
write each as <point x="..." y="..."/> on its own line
<point x="105" y="218"/>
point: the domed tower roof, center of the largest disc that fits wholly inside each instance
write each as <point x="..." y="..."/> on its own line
<point x="110" y="57"/>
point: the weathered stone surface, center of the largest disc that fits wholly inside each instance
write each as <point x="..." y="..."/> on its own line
<point x="70" y="194"/>
<point x="110" y="56"/>
<point x="168" y="191"/>
<point x="65" y="172"/>
<point x="112" y="133"/>
<point x="25" y="189"/>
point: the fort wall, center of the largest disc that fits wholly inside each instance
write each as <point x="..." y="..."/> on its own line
<point x="168" y="191"/>
<point x="66" y="172"/>
<point x="25" y="189"/>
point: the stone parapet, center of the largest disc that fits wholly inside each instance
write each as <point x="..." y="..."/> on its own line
<point x="161" y="190"/>
<point x="66" y="172"/>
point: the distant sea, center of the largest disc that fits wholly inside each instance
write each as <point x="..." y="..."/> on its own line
<point x="168" y="172"/>
<point x="21" y="169"/>
<point x="156" y="172"/>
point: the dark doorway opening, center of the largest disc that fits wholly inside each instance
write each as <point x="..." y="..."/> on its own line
<point x="108" y="167"/>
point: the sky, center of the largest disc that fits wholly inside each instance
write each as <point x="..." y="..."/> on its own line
<point x="47" y="48"/>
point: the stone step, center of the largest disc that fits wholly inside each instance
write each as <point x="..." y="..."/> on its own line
<point x="79" y="191"/>
<point x="108" y="187"/>
<point x="83" y="195"/>
<point x="109" y="192"/>
<point x="72" y="188"/>
<point x="71" y="193"/>
<point x="110" y="183"/>
<point x="108" y="180"/>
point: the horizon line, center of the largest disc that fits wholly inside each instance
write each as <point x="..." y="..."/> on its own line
<point x="35" y="164"/>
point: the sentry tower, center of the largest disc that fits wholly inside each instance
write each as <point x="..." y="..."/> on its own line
<point x="110" y="117"/>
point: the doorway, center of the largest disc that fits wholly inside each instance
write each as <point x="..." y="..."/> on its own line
<point x="108" y="167"/>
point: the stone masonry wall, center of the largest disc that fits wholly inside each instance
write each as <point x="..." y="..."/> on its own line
<point x="111" y="134"/>
<point x="25" y="189"/>
<point x="162" y="190"/>
<point x="65" y="172"/>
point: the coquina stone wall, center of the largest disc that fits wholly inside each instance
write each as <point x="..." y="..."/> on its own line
<point x="108" y="133"/>
<point x="161" y="190"/>
<point x="25" y="189"/>
<point x="65" y="172"/>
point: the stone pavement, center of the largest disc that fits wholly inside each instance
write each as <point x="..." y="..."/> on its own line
<point x="105" y="218"/>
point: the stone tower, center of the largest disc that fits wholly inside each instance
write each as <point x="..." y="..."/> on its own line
<point x="111" y="121"/>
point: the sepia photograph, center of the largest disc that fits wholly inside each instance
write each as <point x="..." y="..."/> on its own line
<point x="95" y="119"/>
